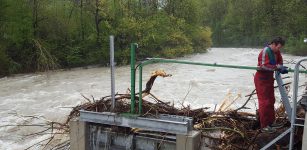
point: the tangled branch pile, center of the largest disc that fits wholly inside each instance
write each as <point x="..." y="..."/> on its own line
<point x="230" y="129"/>
<point x="225" y="130"/>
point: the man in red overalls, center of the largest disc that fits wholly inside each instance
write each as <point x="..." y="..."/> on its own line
<point x="269" y="60"/>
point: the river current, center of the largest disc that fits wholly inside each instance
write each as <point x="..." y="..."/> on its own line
<point x="51" y="95"/>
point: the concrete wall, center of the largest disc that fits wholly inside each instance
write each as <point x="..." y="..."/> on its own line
<point x="78" y="135"/>
<point x="192" y="141"/>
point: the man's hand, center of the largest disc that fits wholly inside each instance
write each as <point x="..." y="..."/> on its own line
<point x="283" y="69"/>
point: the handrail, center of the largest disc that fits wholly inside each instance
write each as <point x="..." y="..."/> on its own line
<point x="161" y="60"/>
<point x="294" y="101"/>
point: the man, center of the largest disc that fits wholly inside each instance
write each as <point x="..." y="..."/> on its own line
<point x="269" y="60"/>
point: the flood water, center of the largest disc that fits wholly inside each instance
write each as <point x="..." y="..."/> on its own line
<point x="51" y="95"/>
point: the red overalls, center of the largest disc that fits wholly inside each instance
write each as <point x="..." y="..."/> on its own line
<point x="264" y="82"/>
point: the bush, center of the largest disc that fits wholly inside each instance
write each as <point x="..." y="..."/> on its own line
<point x="161" y="35"/>
<point x="177" y="44"/>
<point x="74" y="58"/>
<point x="201" y="38"/>
<point x="7" y="65"/>
<point x="296" y="46"/>
<point x="4" y="63"/>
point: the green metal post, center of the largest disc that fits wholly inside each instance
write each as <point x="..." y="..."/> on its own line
<point x="140" y="87"/>
<point x="132" y="65"/>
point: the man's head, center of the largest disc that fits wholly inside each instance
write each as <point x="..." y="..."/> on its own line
<point x="277" y="43"/>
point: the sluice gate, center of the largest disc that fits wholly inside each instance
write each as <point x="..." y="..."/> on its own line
<point x="112" y="131"/>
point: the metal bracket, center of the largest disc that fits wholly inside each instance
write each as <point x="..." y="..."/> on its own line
<point x="276" y="139"/>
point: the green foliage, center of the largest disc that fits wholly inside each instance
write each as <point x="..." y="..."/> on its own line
<point x="189" y="10"/>
<point x="242" y="23"/>
<point x="17" y="27"/>
<point x="161" y="33"/>
<point x="38" y="35"/>
<point x="75" y="57"/>
<point x="201" y="38"/>
<point x="177" y="45"/>
<point x="4" y="63"/>
<point x="296" y="46"/>
<point x="238" y="21"/>
<point x="213" y="13"/>
<point x="7" y="66"/>
<point x="44" y="60"/>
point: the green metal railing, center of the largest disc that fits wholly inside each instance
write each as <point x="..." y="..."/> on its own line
<point x="161" y="60"/>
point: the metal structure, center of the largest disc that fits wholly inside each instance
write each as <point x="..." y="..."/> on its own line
<point x="284" y="95"/>
<point x="294" y="101"/>
<point x="132" y="66"/>
<point x="112" y="65"/>
<point x="92" y="127"/>
<point x="161" y="60"/>
<point x="289" y="110"/>
<point x="304" y="104"/>
<point x="94" y="130"/>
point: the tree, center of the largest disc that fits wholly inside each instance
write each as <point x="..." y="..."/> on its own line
<point x="38" y="35"/>
<point x="214" y="12"/>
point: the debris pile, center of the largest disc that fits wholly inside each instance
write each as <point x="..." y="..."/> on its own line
<point x="222" y="129"/>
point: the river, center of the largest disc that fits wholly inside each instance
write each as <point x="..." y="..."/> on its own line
<point x="51" y="95"/>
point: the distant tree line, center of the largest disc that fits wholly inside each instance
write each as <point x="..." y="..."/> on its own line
<point x="252" y="23"/>
<point x="38" y="35"/>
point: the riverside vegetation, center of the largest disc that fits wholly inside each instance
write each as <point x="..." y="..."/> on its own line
<point x="39" y="35"/>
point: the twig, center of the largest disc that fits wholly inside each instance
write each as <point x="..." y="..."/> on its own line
<point x="250" y="96"/>
<point x="37" y="143"/>
<point x="85" y="98"/>
<point x="274" y="87"/>
<point x="186" y="95"/>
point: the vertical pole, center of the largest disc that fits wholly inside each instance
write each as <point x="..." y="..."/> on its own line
<point x="112" y="71"/>
<point x="140" y="89"/>
<point x="293" y="118"/>
<point x="294" y="101"/>
<point x="132" y="65"/>
<point x="304" y="101"/>
<point x="304" y="145"/>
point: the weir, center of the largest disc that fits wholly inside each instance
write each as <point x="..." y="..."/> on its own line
<point x="95" y="130"/>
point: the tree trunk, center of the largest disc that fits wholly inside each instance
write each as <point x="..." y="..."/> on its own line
<point x="35" y="16"/>
<point x="97" y="21"/>
<point x="81" y="20"/>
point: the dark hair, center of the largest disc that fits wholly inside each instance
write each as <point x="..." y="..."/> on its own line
<point x="278" y="40"/>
